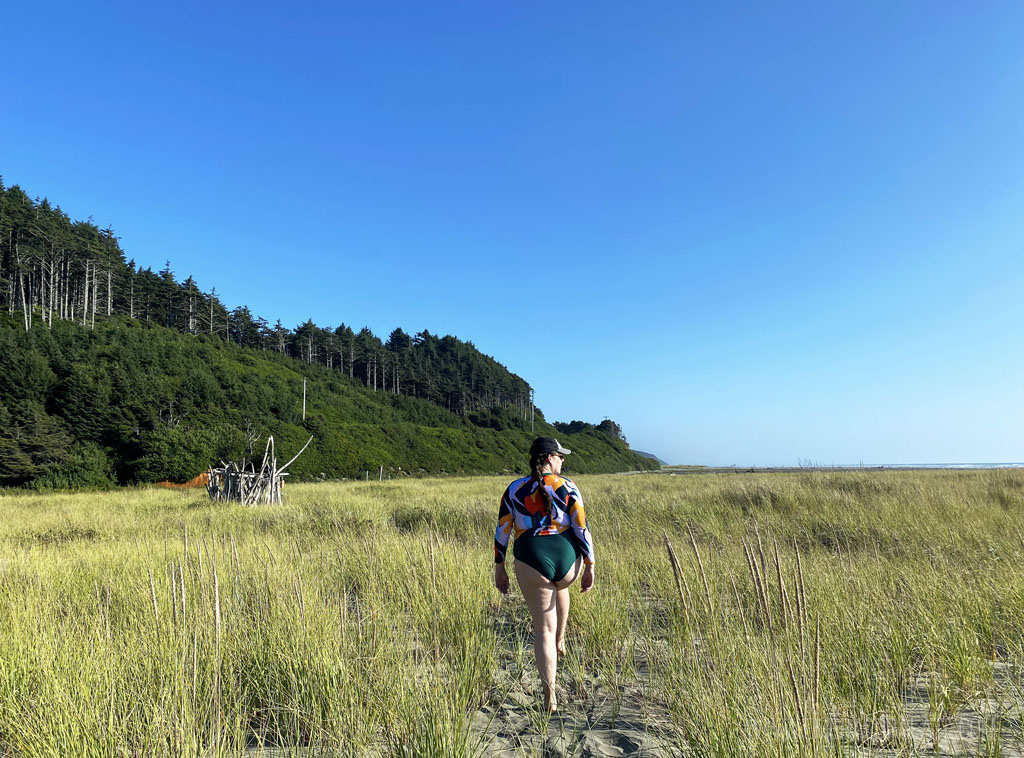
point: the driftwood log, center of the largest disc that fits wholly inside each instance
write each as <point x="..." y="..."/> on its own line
<point x="242" y="483"/>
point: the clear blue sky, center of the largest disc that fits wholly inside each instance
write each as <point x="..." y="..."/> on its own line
<point x="751" y="233"/>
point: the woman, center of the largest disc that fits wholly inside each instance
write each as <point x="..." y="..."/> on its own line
<point x="552" y="545"/>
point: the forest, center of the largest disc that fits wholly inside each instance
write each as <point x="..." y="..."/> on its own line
<point x="53" y="268"/>
<point x="111" y="373"/>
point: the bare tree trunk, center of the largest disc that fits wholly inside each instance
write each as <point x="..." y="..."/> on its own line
<point x="10" y="284"/>
<point x="52" y="302"/>
<point x="33" y="289"/>
<point x="66" y="306"/>
<point x="85" y="295"/>
<point x="92" y="324"/>
<point x="31" y="295"/>
<point x="24" y="306"/>
<point x="110" y="296"/>
<point x="21" y="288"/>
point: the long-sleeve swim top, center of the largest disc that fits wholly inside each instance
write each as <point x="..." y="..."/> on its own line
<point x="524" y="511"/>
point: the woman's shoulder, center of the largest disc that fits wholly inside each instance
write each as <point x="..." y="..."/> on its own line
<point x="518" y="484"/>
<point x="570" y="483"/>
<point x="557" y="482"/>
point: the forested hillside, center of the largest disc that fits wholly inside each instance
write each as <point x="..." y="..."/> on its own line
<point x="110" y="373"/>
<point x="54" y="269"/>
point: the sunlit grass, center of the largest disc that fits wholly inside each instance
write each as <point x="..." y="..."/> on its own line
<point x="359" y="618"/>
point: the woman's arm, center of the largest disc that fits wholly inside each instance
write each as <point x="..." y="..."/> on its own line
<point x="586" y="579"/>
<point x="501" y="537"/>
<point x="501" y="578"/>
<point x="578" y="518"/>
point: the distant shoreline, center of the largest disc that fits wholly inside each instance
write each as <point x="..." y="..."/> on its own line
<point x="683" y="470"/>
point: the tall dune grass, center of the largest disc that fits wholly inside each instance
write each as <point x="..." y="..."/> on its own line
<point x="820" y="613"/>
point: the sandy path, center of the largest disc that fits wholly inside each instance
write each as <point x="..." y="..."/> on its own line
<point x="598" y="720"/>
<point x="595" y="718"/>
<point x="984" y="726"/>
<point x="599" y="725"/>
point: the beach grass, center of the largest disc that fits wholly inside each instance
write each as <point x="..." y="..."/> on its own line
<point x="810" y="613"/>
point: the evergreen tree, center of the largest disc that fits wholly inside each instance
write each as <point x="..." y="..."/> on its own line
<point x="164" y="382"/>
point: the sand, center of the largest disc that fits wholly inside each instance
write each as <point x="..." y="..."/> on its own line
<point x="985" y="726"/>
<point x="595" y="717"/>
<point x="601" y="721"/>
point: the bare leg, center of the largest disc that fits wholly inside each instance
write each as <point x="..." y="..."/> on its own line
<point x="562" y="608"/>
<point x="562" y="603"/>
<point x="539" y="594"/>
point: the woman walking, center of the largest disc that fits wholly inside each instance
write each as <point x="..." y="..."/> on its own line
<point x="552" y="547"/>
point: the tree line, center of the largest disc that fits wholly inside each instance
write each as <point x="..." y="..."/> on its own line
<point x="128" y="402"/>
<point x="55" y="269"/>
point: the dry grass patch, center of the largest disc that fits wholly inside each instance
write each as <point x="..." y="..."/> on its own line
<point x="839" y="613"/>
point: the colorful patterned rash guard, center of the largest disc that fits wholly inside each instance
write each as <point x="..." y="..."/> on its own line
<point x="524" y="511"/>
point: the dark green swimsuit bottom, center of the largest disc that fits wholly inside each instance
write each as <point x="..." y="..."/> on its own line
<point x="551" y="554"/>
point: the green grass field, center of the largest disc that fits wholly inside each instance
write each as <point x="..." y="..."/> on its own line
<point x="814" y="613"/>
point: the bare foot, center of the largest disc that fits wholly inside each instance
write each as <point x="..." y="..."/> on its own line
<point x="560" y="645"/>
<point x="550" y="701"/>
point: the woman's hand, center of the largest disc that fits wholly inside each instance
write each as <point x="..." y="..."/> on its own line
<point x="501" y="578"/>
<point x="587" y="580"/>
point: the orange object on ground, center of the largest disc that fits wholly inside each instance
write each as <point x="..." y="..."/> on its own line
<point x="196" y="481"/>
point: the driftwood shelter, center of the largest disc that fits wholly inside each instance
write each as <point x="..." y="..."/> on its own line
<point x="241" y="483"/>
